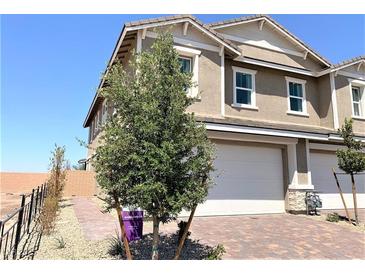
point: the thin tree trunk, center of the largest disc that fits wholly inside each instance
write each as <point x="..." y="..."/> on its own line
<point x="156" y="238"/>
<point x="183" y="237"/>
<point x="355" y="200"/>
<point x="122" y="229"/>
<point x="342" y="198"/>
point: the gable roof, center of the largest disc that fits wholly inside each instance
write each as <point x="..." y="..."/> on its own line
<point x="344" y="64"/>
<point x="351" y="62"/>
<point x="283" y="30"/>
<point x="155" y="22"/>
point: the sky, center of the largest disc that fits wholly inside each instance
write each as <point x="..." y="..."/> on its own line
<point x="51" y="66"/>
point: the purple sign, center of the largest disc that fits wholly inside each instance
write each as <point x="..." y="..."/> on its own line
<point x="133" y="223"/>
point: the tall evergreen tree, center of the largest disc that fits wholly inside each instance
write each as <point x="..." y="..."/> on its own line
<point x="154" y="154"/>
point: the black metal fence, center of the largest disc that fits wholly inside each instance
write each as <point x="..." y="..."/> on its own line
<point x="17" y="223"/>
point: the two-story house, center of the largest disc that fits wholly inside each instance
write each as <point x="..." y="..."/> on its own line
<point x="270" y="103"/>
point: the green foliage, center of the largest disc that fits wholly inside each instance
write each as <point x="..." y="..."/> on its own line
<point x="352" y="159"/>
<point x="181" y="225"/>
<point x="60" y="243"/>
<point x="116" y="247"/>
<point x="154" y="154"/>
<point x="333" y="217"/>
<point x="216" y="253"/>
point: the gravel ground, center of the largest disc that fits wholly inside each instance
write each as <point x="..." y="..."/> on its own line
<point x="68" y="242"/>
<point x="76" y="247"/>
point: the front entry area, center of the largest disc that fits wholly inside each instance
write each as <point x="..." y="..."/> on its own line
<point x="248" y="180"/>
<point x="324" y="181"/>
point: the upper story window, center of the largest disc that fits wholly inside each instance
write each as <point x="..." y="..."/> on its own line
<point x="104" y="112"/>
<point x="189" y="60"/>
<point x="244" y="93"/>
<point x="185" y="67"/>
<point x="100" y="117"/>
<point x="296" y="96"/>
<point x="185" y="63"/>
<point x="358" y="101"/>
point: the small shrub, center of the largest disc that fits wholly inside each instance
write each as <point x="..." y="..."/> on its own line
<point x="116" y="247"/>
<point x="216" y="253"/>
<point x="49" y="214"/>
<point x="333" y="217"/>
<point x="181" y="225"/>
<point x="60" y="243"/>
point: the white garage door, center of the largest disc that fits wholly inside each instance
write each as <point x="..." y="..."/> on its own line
<point x="249" y="180"/>
<point x="324" y="181"/>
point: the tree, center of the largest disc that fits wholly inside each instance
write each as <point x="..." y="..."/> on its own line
<point x="352" y="159"/>
<point x="155" y="155"/>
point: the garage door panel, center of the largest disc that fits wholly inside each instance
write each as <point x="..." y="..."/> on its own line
<point x="324" y="182"/>
<point x="248" y="171"/>
<point x="248" y="180"/>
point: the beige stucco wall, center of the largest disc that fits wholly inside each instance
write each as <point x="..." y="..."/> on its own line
<point x="269" y="37"/>
<point x="325" y="102"/>
<point x="271" y="96"/>
<point x="343" y="93"/>
<point x="280" y="58"/>
<point x="209" y="82"/>
<point x="302" y="161"/>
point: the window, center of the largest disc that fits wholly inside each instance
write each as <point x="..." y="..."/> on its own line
<point x="104" y="112"/>
<point x="244" y="87"/>
<point x="296" y="96"/>
<point x="91" y="134"/>
<point x="185" y="67"/>
<point x="357" y="99"/>
<point x="189" y="60"/>
<point x="185" y="63"/>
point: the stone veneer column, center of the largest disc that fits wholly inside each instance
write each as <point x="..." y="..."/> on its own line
<point x="300" y="180"/>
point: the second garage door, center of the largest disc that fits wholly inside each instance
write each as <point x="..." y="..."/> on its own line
<point x="249" y="180"/>
<point x="324" y="182"/>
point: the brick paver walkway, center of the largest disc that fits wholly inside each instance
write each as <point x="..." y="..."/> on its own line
<point x="95" y="224"/>
<point x="280" y="236"/>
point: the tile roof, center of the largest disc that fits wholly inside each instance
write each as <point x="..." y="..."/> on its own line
<point x="182" y="16"/>
<point x="352" y="60"/>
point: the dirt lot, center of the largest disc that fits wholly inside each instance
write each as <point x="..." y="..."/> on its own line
<point x="9" y="202"/>
<point x="12" y="184"/>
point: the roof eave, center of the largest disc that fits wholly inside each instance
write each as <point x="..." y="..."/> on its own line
<point x="129" y="27"/>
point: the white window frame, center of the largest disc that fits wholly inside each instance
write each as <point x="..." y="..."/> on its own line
<point x="304" y="111"/>
<point x="91" y="131"/>
<point x="361" y="86"/>
<point x="253" y="89"/>
<point x="104" y="112"/>
<point x="96" y="120"/>
<point x="193" y="54"/>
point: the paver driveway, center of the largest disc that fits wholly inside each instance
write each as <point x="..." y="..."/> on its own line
<point x="280" y="236"/>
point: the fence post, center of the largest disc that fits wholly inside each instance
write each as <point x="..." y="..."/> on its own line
<point x="30" y="210"/>
<point x="36" y="201"/>
<point x="1" y="234"/>
<point x="41" y="197"/>
<point x="19" y="227"/>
